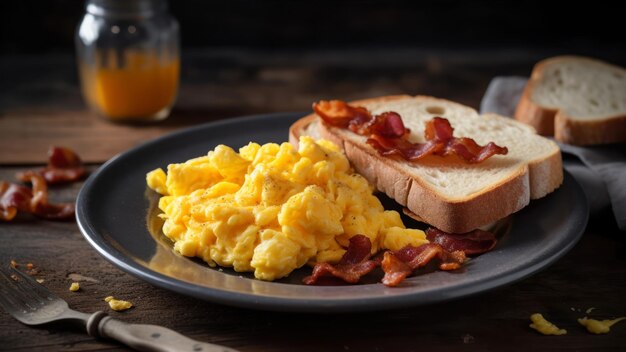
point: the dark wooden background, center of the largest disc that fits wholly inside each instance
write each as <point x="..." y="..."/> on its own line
<point x="243" y="57"/>
<point x="32" y="26"/>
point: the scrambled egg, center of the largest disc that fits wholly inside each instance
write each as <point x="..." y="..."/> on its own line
<point x="118" y="305"/>
<point x="75" y="286"/>
<point x="271" y="209"/>
<point x="599" y="326"/>
<point x="545" y="327"/>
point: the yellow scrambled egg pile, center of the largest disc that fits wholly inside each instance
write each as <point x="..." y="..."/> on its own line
<point x="271" y="209"/>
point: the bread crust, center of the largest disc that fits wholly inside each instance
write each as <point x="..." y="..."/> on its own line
<point x="530" y="181"/>
<point x="549" y="121"/>
<point x="589" y="132"/>
<point x="540" y="118"/>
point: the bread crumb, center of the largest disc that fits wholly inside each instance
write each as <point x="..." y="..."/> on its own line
<point x="40" y="281"/>
<point x="14" y="264"/>
<point x="79" y="277"/>
<point x="118" y="305"/>
<point x="467" y="339"/>
<point x="74" y="287"/>
<point x="589" y="310"/>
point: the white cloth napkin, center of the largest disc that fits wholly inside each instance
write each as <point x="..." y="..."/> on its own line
<point x="600" y="170"/>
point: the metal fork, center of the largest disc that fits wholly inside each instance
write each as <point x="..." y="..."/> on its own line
<point x="33" y="304"/>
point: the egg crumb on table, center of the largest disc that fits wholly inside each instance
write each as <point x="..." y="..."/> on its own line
<point x="270" y="209"/>
<point x="75" y="286"/>
<point x="118" y="305"/>
<point x="545" y="327"/>
<point x="599" y="326"/>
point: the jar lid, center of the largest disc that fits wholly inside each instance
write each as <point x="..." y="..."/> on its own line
<point x="125" y="8"/>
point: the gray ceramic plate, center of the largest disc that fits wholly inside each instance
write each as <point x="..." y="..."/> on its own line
<point x="115" y="212"/>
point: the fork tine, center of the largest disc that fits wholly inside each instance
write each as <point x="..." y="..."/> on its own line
<point x="40" y="291"/>
<point x="9" y="297"/>
<point x="24" y="292"/>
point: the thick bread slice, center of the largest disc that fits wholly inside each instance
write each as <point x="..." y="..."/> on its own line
<point x="578" y="100"/>
<point x="448" y="193"/>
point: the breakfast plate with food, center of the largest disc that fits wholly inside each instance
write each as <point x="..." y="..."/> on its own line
<point x="369" y="205"/>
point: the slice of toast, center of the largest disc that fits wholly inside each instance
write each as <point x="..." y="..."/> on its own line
<point x="446" y="192"/>
<point x="577" y="100"/>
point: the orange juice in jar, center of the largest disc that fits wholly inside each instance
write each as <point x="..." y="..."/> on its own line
<point x="128" y="57"/>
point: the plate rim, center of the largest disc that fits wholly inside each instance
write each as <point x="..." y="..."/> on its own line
<point x="267" y="302"/>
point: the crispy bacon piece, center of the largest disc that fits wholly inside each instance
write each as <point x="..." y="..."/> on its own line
<point x="440" y="131"/>
<point x="471" y="243"/>
<point x="14" y="198"/>
<point x="402" y="147"/>
<point x="400" y="264"/>
<point x="353" y="265"/>
<point x="388" y="124"/>
<point x="439" y="141"/>
<point x="39" y="205"/>
<point x="359" y="120"/>
<point x="387" y="134"/>
<point x="63" y="166"/>
<point x="339" y="114"/>
<point x="450" y="249"/>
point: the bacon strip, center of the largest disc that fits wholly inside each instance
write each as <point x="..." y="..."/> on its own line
<point x="471" y="243"/>
<point x="14" y="198"/>
<point x="402" y="147"/>
<point x="353" y="265"/>
<point x="339" y="114"/>
<point x="63" y="166"/>
<point x="450" y="249"/>
<point x="400" y="264"/>
<point x="359" y="120"/>
<point x="387" y="134"/>
<point x="439" y="141"/>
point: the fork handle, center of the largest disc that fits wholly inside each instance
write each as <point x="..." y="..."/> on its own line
<point x="144" y="337"/>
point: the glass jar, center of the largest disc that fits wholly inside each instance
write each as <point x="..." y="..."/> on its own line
<point x="129" y="59"/>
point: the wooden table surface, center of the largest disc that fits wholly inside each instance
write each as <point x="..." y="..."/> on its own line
<point x="40" y="105"/>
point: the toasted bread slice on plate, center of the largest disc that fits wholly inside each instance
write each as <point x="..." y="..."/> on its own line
<point x="578" y="100"/>
<point x="447" y="192"/>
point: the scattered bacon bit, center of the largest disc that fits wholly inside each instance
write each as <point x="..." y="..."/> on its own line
<point x="63" y="166"/>
<point x="471" y="243"/>
<point x="15" y="197"/>
<point x="39" y="203"/>
<point x="400" y="264"/>
<point x="30" y="267"/>
<point x="31" y="270"/>
<point x="353" y="264"/>
<point x="386" y="133"/>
